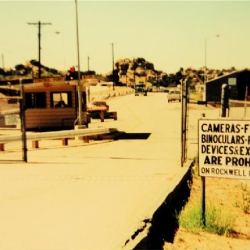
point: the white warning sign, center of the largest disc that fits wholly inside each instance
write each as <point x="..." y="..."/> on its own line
<point x="224" y="148"/>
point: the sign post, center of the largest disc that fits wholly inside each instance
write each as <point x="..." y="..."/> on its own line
<point x="203" y="197"/>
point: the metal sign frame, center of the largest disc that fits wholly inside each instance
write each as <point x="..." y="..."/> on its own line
<point x="224" y="148"/>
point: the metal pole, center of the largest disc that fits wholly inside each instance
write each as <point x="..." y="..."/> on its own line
<point x="113" y="66"/>
<point x="79" y="71"/>
<point x="184" y="122"/>
<point x="203" y="197"/>
<point x="205" y="73"/>
<point x="203" y="201"/>
<point x="245" y="103"/>
<point x="3" y="60"/>
<point x="23" y="121"/>
<point x="182" y="125"/>
<point x="224" y="99"/>
<point x="39" y="49"/>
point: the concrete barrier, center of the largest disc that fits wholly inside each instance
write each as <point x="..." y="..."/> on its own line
<point x="102" y="93"/>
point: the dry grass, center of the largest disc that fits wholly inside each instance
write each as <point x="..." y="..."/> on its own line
<point x="231" y="196"/>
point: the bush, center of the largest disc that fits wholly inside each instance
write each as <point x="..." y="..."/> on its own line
<point x="190" y="218"/>
<point x="216" y="221"/>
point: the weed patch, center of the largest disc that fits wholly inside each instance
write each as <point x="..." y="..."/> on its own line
<point x="218" y="221"/>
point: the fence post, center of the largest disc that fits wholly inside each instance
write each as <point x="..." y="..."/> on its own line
<point x="224" y="99"/>
<point x="23" y="121"/>
<point x="245" y="103"/>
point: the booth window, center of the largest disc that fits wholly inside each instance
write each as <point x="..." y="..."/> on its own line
<point x="35" y="100"/>
<point x="61" y="99"/>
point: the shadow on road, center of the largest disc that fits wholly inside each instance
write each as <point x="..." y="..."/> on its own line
<point x="134" y="136"/>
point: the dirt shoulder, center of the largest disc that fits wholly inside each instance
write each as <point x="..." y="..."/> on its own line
<point x="231" y="196"/>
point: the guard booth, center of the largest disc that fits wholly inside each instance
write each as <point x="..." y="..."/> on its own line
<point x="51" y="105"/>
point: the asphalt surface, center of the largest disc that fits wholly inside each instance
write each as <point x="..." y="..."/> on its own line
<point x="96" y="195"/>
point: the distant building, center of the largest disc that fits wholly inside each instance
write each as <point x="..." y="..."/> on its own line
<point x="237" y="82"/>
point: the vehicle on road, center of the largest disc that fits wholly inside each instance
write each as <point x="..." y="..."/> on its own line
<point x="174" y="95"/>
<point x="166" y="89"/>
<point x="98" y="106"/>
<point x="140" y="88"/>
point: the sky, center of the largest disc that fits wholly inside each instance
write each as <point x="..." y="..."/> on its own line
<point x="169" y="34"/>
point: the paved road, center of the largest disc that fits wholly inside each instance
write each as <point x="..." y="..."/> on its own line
<point x="96" y="195"/>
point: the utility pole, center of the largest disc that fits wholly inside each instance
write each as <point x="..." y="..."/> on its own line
<point x="205" y="73"/>
<point x="113" y="66"/>
<point x="3" y="60"/>
<point x="39" y="44"/>
<point x="88" y="63"/>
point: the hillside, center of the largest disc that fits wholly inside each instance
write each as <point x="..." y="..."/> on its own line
<point x="126" y="71"/>
<point x="129" y="71"/>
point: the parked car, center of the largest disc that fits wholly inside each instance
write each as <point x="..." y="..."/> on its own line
<point x="174" y="95"/>
<point x="166" y="89"/>
<point x="97" y="106"/>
